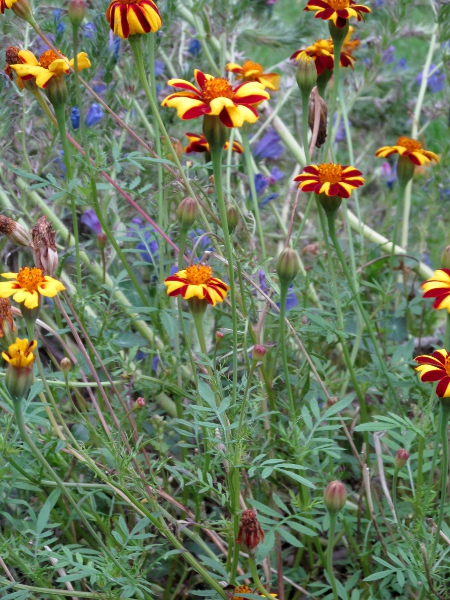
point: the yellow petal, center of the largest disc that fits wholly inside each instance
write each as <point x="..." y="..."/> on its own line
<point x="28" y="58"/>
<point x="240" y="114"/>
<point x="195" y="291"/>
<point x="83" y="61"/>
<point x="7" y="289"/>
<point x="218" y="104"/>
<point x="59" y="66"/>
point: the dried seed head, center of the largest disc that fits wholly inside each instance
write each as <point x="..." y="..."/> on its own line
<point x="16" y="233"/>
<point x="44" y="246"/>
<point x="318" y="111"/>
<point x="250" y="531"/>
<point x="65" y="365"/>
<point x="12" y="55"/>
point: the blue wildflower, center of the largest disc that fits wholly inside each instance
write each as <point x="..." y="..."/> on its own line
<point x="90" y="29"/>
<point x="389" y="55"/>
<point x="89" y="218"/>
<point x="114" y="45"/>
<point x="155" y="364"/>
<point x="389" y="174"/>
<point x="261" y="183"/>
<point x="291" y="299"/>
<point x="75" y="117"/>
<point x="341" y="135"/>
<point x="436" y="81"/>
<point x="94" y="115"/>
<point x="205" y="243"/>
<point x="194" y="47"/>
<point x="262" y="281"/>
<point x="268" y="199"/>
<point x="269" y="146"/>
<point x="61" y="165"/>
<point x="275" y="175"/>
<point x="60" y="27"/>
<point x="159" y="68"/>
<point x="401" y="65"/>
<point x="148" y="248"/>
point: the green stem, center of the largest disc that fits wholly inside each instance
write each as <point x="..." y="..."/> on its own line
<point x="394" y="501"/>
<point x="256" y="579"/>
<point x="334" y="93"/>
<point x="400" y="202"/>
<point x="442" y="435"/>
<point x="283" y="296"/>
<point x="251" y="180"/>
<point x="60" y="117"/>
<point x="333" y="517"/>
<point x="305" y="126"/>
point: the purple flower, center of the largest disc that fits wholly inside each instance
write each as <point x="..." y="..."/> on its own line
<point x="389" y="174"/>
<point x="159" y="68"/>
<point x="436" y="81"/>
<point x="205" y="243"/>
<point x="261" y="183"/>
<point x="174" y="269"/>
<point x="401" y="65"/>
<point x="269" y="146"/>
<point x="275" y="175"/>
<point x="60" y="162"/>
<point x="194" y="47"/>
<point x="89" y="218"/>
<point x="94" y="115"/>
<point x="75" y="117"/>
<point x="262" y="281"/>
<point x="114" y="45"/>
<point x="268" y="199"/>
<point x="90" y="29"/>
<point x="389" y="55"/>
<point x="148" y="247"/>
<point x="155" y="363"/>
<point x="60" y="27"/>
<point x="291" y="299"/>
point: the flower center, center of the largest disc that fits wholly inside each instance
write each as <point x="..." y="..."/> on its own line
<point x="252" y="66"/>
<point x="47" y="58"/>
<point x="320" y="46"/>
<point x="338" y="4"/>
<point x="30" y="278"/>
<point x="12" y="55"/>
<point x="198" y="274"/>
<point x="216" y="88"/>
<point x="447" y="365"/>
<point x="330" y="173"/>
<point x="408" y="143"/>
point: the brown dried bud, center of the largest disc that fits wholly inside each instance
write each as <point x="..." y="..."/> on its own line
<point x="332" y="400"/>
<point x="140" y="402"/>
<point x="335" y="496"/>
<point x="65" y="365"/>
<point x="250" y="531"/>
<point x="7" y="225"/>
<point x="12" y="55"/>
<point x="401" y="458"/>
<point x="16" y="233"/>
<point x="44" y="246"/>
<point x="258" y="352"/>
<point x="318" y="117"/>
<point x="7" y="326"/>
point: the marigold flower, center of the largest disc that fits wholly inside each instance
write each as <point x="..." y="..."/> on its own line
<point x="197" y="281"/>
<point x="21" y="8"/>
<point x="349" y="45"/>
<point x="252" y="71"/>
<point x="198" y="143"/>
<point x="244" y="589"/>
<point x="130" y="17"/>
<point x="4" y="4"/>
<point x="330" y="179"/>
<point x="19" y="373"/>
<point x="216" y="97"/>
<point x="322" y="52"/>
<point x="250" y="531"/>
<point x="409" y="148"/>
<point x="338" y="11"/>
<point x="436" y="367"/>
<point x="438" y="287"/>
<point x="28" y="285"/>
<point x="20" y="354"/>
<point x="48" y="66"/>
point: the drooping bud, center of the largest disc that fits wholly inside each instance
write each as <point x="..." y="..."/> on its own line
<point x="445" y="258"/>
<point x="187" y="213"/>
<point x="335" y="496"/>
<point x="232" y="217"/>
<point x="288" y="265"/>
<point x="401" y="458"/>
<point x="7" y="326"/>
<point x="65" y="365"/>
<point x="318" y="117"/>
<point x="306" y="74"/>
<point x="215" y="132"/>
<point x="77" y="12"/>
<point x="16" y="233"/>
<point x="258" y="352"/>
<point x="44" y="246"/>
<point x="250" y="532"/>
<point x="19" y="373"/>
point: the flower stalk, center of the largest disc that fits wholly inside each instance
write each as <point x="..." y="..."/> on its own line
<point x="442" y="435"/>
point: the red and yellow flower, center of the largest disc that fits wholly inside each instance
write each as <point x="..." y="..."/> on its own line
<point x="438" y="287"/>
<point x="4" y="4"/>
<point x="48" y="66"/>
<point x="244" y="589"/>
<point x="216" y="96"/>
<point x="20" y="354"/>
<point x="197" y="281"/>
<point x="198" y="143"/>
<point x="322" y="51"/>
<point x="131" y="17"/>
<point x="338" y="11"/>
<point x="252" y="71"/>
<point x="28" y="285"/>
<point x="410" y="149"/>
<point x="436" y="367"/>
<point x="330" y="179"/>
<point x="349" y="45"/>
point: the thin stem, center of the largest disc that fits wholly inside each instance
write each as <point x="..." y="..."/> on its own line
<point x="256" y="579"/>
<point x="305" y="126"/>
<point x="442" y="435"/>
<point x="283" y="296"/>
<point x="60" y="117"/>
<point x="394" y="501"/>
<point x="334" y="93"/>
<point x="251" y="181"/>
<point x="333" y="517"/>
<point x="400" y="202"/>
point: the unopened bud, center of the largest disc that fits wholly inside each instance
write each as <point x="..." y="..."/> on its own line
<point x="445" y="258"/>
<point x="318" y="111"/>
<point x="335" y="496"/>
<point x="56" y="91"/>
<point x="306" y="74"/>
<point x="332" y="400"/>
<point x="250" y="531"/>
<point x="232" y="217"/>
<point x="258" y="352"/>
<point x="215" y="132"/>
<point x="21" y="8"/>
<point x="77" y="12"/>
<point x="219" y="335"/>
<point x="65" y="364"/>
<point x="102" y="240"/>
<point x="140" y="402"/>
<point x="288" y="265"/>
<point x="16" y="233"/>
<point x="187" y="212"/>
<point x="19" y="373"/>
<point x="401" y="458"/>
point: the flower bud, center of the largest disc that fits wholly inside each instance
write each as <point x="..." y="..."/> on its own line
<point x="445" y="258"/>
<point x="306" y="74"/>
<point x="187" y="213"/>
<point x="401" y="458"/>
<point x="335" y="497"/>
<point x="7" y="327"/>
<point x="232" y="217"/>
<point x="140" y="402"/>
<point x="19" y="374"/>
<point x="56" y="91"/>
<point x="16" y="233"/>
<point x="22" y="9"/>
<point x="288" y="265"/>
<point x="219" y="335"/>
<point x="250" y="531"/>
<point x="102" y="240"/>
<point x="65" y="364"/>
<point x="77" y="12"/>
<point x="215" y="132"/>
<point x="258" y="352"/>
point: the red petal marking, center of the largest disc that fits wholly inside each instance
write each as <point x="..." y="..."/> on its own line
<point x="438" y="302"/>
<point x="123" y="17"/>
<point x="327" y="61"/>
<point x="340" y="22"/>
<point x="200" y="78"/>
<point x="188" y="86"/>
<point x="442" y="386"/>
<point x="141" y="18"/>
<point x="320" y="67"/>
<point x="350" y="173"/>
<point x="184" y="289"/>
<point x="317" y="3"/>
<point x="195" y="112"/>
<point x="361" y="8"/>
<point x="173" y="293"/>
<point x="309" y="187"/>
<point x="250" y="99"/>
<point x="412" y="158"/>
<point x="208" y="297"/>
<point x="225" y="118"/>
<point x="426" y="359"/>
<point x="433" y="376"/>
<point x="325" y="14"/>
<point x="334" y="190"/>
<point x="440" y="293"/>
<point x="345" y="61"/>
<point x="313" y="169"/>
<point x="293" y="56"/>
<point x="175" y="278"/>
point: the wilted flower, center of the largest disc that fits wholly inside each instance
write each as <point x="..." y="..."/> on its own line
<point x="7" y="326"/>
<point x="44" y="246"/>
<point x="250" y="531"/>
<point x="15" y="232"/>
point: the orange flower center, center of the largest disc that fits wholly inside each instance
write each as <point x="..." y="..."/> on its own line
<point x="241" y="589"/>
<point x="216" y="88"/>
<point x="338" y="4"/>
<point x="447" y="365"/>
<point x="409" y="144"/>
<point x="47" y="58"/>
<point x="198" y="274"/>
<point x="29" y="279"/>
<point x="320" y="46"/>
<point x="330" y="173"/>
<point x="252" y="66"/>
